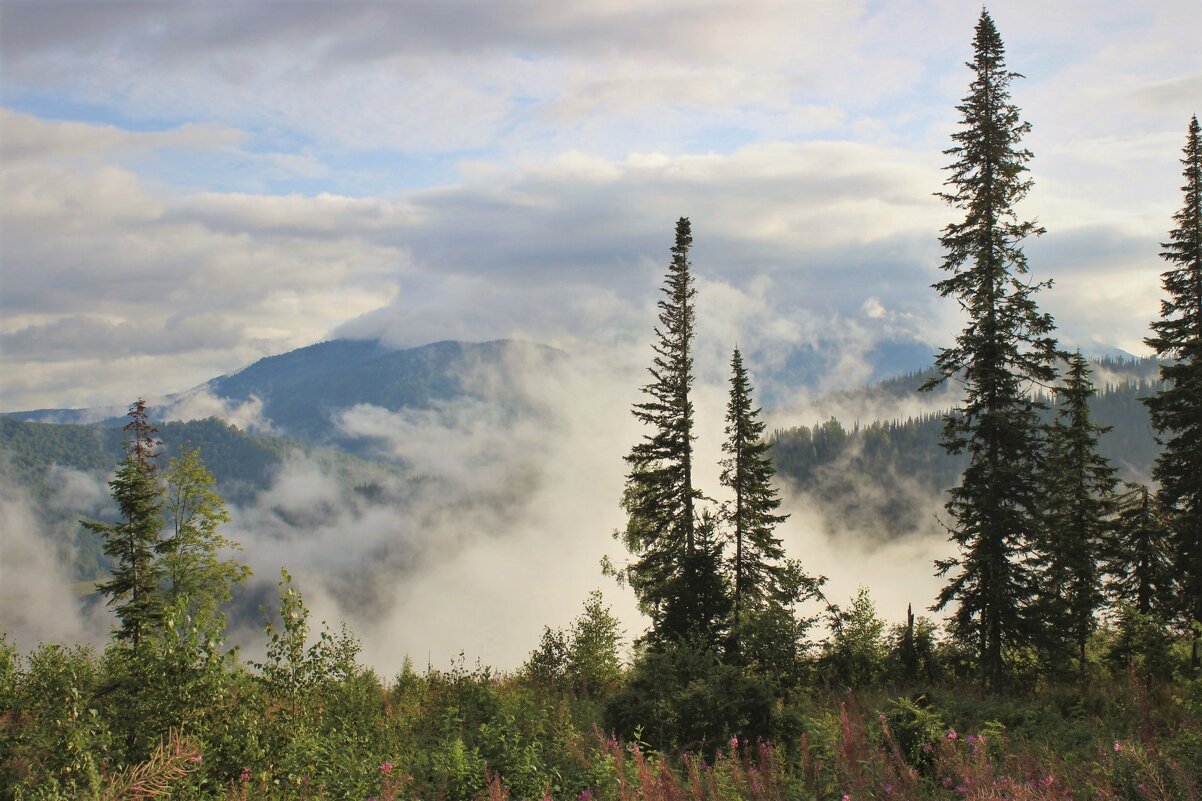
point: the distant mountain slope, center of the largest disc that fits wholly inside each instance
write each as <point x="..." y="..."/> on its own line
<point x="303" y="390"/>
<point x="889" y="476"/>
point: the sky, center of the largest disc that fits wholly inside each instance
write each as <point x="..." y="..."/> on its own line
<point x="188" y="187"/>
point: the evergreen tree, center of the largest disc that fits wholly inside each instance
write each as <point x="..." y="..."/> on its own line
<point x="672" y="576"/>
<point x="1005" y="349"/>
<point x="1079" y="503"/>
<point x="1136" y="556"/>
<point x="190" y="555"/>
<point x="747" y="472"/>
<point x="133" y="587"/>
<point x="1176" y="411"/>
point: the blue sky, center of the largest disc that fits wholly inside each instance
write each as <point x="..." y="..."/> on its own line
<point x="191" y="186"/>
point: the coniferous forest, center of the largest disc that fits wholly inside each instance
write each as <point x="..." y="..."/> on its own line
<point x="1060" y="659"/>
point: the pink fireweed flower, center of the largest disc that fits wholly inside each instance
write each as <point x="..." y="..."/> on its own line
<point x="245" y="775"/>
<point x="951" y="735"/>
<point x="888" y="789"/>
<point x="846" y="798"/>
<point x="1117" y="746"/>
<point x="734" y="742"/>
<point x="386" y="767"/>
<point x="196" y="758"/>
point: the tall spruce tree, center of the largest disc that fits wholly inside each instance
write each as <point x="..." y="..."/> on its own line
<point x="674" y="576"/>
<point x="1004" y="350"/>
<point x="1079" y="503"/>
<point x="1176" y="411"/>
<point x="757" y="562"/>
<point x="134" y="586"/>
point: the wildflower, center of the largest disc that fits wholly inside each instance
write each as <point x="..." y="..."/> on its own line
<point x="951" y="735"/>
<point x="881" y="717"/>
<point x="961" y="789"/>
<point x="386" y="767"/>
<point x="245" y="777"/>
<point x="196" y="758"/>
<point x="846" y="798"/>
<point x="888" y="789"/>
<point x="946" y="781"/>
<point x="972" y="738"/>
<point x="585" y="795"/>
<point x="734" y="742"/>
<point x="1117" y="746"/>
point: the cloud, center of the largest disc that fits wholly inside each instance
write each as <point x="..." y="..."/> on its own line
<point x="28" y="138"/>
<point x="39" y="601"/>
<point x="201" y="404"/>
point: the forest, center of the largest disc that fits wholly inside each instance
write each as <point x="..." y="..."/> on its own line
<point x="1060" y="660"/>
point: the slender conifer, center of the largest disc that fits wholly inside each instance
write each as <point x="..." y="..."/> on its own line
<point x="757" y="563"/>
<point x="134" y="586"/>
<point x="1003" y="352"/>
<point x="1079" y="502"/>
<point x="1176" y="411"/>
<point x="674" y="575"/>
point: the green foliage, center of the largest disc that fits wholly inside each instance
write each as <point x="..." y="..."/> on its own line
<point x="188" y="556"/>
<point x="1175" y="410"/>
<point x="685" y="697"/>
<point x="1004" y="350"/>
<point x="133" y="587"/>
<point x="1137" y="554"/>
<point x="757" y="563"/>
<point x="856" y="656"/>
<point x="675" y="572"/>
<point x="917" y="728"/>
<point x="54" y="740"/>
<point x="1078" y="504"/>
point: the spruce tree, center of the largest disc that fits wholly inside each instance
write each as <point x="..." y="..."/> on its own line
<point x="1176" y="411"/>
<point x="757" y="562"/>
<point x="673" y="575"/>
<point x="134" y="586"/>
<point x="1005" y="349"/>
<point x="1137" y="554"/>
<point x="1078" y="486"/>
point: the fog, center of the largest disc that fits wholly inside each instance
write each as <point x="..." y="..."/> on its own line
<point x="506" y="505"/>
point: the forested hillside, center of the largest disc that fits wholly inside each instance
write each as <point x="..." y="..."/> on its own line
<point x="881" y="476"/>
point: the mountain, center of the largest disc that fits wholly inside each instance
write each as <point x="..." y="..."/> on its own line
<point x="303" y="391"/>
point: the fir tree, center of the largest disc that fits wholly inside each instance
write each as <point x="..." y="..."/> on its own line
<point x="673" y="575"/>
<point x="1176" y="411"/>
<point x="1004" y="350"/>
<point x="747" y="472"/>
<point x="1136" y="557"/>
<point x="1078" y="487"/>
<point x="134" y="586"/>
